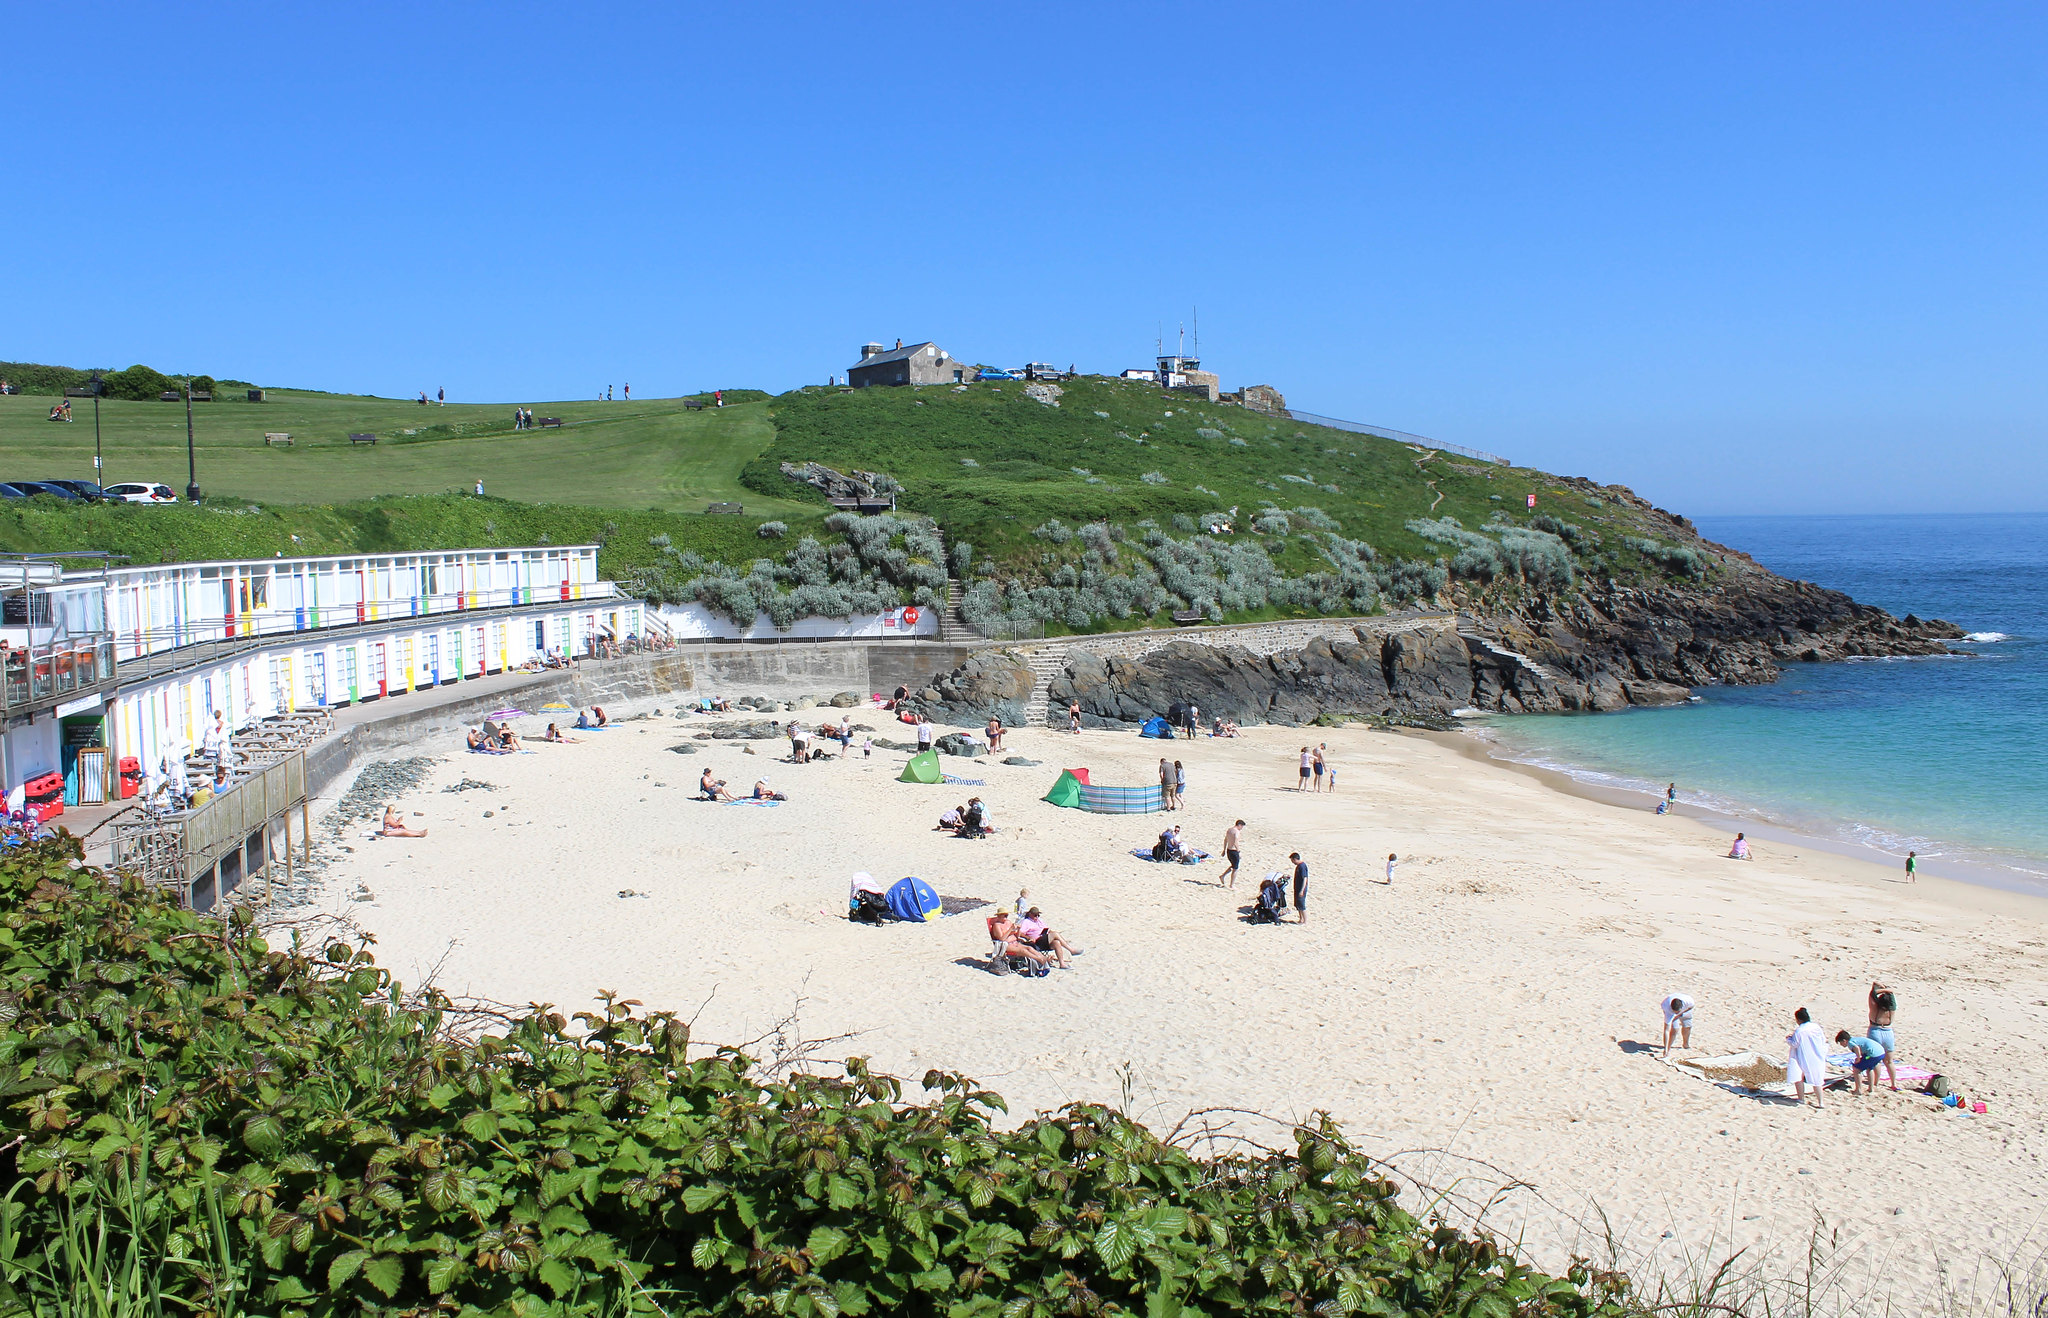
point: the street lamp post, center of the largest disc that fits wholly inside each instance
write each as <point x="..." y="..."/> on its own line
<point x="98" y="476"/>
<point x="191" y="460"/>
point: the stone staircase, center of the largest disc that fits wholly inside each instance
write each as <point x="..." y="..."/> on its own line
<point x="1047" y="662"/>
<point x="951" y="628"/>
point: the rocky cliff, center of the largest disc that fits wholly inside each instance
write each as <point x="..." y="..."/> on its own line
<point x="1599" y="648"/>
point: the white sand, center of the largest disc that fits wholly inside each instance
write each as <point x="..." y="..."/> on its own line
<point x="1494" y="1003"/>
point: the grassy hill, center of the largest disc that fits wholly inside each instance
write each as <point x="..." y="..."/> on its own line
<point x="650" y="453"/>
<point x="1092" y="513"/>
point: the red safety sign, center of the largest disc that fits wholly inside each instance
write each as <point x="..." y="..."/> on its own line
<point x="910" y="617"/>
<point x="1532" y="501"/>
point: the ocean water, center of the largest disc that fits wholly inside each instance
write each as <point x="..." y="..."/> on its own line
<point x="1948" y="757"/>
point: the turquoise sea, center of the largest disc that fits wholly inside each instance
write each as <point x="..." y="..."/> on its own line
<point x="1948" y="757"/>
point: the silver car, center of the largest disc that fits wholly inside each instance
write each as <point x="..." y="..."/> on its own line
<point x="141" y="492"/>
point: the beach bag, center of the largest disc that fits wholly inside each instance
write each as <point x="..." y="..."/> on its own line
<point x="1941" y="1086"/>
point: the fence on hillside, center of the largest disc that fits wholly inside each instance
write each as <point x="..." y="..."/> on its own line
<point x="1399" y="436"/>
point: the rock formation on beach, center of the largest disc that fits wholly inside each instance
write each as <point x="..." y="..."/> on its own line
<point x="1599" y="649"/>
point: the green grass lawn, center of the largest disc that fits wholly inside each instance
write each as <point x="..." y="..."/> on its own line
<point x="646" y="454"/>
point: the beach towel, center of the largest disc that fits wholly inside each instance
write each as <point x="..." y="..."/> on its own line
<point x="1156" y="727"/>
<point x="913" y="899"/>
<point x="750" y="800"/>
<point x="922" y="768"/>
<point x="965" y="782"/>
<point x="1192" y="856"/>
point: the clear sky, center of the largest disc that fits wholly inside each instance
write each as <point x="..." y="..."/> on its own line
<point x="1759" y="258"/>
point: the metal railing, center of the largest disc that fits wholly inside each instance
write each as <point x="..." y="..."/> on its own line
<point x="1398" y="436"/>
<point x="190" y="650"/>
<point x="51" y="671"/>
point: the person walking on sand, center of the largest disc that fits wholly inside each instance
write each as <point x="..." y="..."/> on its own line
<point x="1806" y="1063"/>
<point x="1883" y="1003"/>
<point x="1194" y="720"/>
<point x="1232" y="836"/>
<point x="1166" y="801"/>
<point x="1391" y="858"/>
<point x="1318" y="764"/>
<point x="1300" y="887"/>
<point x="1677" y="1021"/>
<point x="1074" y="718"/>
<point x="1307" y="758"/>
<point x="924" y="733"/>
<point x="1912" y="867"/>
<point x="1180" y="784"/>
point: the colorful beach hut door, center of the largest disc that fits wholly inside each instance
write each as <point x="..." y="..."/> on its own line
<point x="377" y="679"/>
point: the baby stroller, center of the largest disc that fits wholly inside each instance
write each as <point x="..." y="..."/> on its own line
<point x="1272" y="900"/>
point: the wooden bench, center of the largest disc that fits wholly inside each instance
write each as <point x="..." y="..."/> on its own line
<point x="362" y="439"/>
<point x="550" y="423"/>
<point x="277" y="439"/>
<point x="170" y="396"/>
<point x="1189" y="617"/>
<point x="726" y="508"/>
<point x="201" y="396"/>
<point x="693" y="404"/>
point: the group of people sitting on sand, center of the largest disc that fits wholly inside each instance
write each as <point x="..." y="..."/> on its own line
<point x="710" y="787"/>
<point x="494" y="738"/>
<point x="801" y="739"/>
<point x="970" y="820"/>
<point x="1223" y="727"/>
<point x="1029" y="937"/>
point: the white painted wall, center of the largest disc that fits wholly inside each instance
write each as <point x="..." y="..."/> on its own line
<point x="694" y="622"/>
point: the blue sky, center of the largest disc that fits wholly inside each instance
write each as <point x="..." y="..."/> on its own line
<point x="1743" y="258"/>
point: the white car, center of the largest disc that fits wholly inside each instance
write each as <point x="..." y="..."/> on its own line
<point x="141" y="492"/>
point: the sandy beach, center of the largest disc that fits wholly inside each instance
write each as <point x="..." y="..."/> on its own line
<point x="1489" y="1018"/>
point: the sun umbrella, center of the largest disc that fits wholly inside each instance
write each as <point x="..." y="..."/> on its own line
<point x="553" y="706"/>
<point x="506" y="713"/>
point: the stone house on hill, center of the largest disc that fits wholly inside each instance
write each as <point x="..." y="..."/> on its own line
<point x="920" y="363"/>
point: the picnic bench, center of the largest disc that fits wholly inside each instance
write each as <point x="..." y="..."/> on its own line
<point x="170" y="396"/>
<point x="726" y="508"/>
<point x="550" y="423"/>
<point x="277" y="439"/>
<point x="355" y="438"/>
<point x="1188" y="617"/>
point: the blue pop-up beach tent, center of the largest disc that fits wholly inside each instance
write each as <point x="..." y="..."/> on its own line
<point x="912" y="899"/>
<point x="1157" y="727"/>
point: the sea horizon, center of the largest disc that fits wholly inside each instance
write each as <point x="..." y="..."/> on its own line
<point x="1932" y="755"/>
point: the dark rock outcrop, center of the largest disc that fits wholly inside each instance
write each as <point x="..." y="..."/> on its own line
<point x="991" y="684"/>
<point x="954" y="743"/>
<point x="750" y="730"/>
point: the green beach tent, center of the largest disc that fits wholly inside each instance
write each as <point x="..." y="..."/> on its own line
<point x="923" y="768"/>
<point x="1066" y="792"/>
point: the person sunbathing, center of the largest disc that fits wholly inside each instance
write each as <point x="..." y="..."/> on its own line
<point x="481" y="744"/>
<point x="508" y="740"/>
<point x="1002" y="929"/>
<point x="394" y="825"/>
<point x="602" y="721"/>
<point x="761" y="792"/>
<point x="714" y="788"/>
<point x="1032" y="929"/>
<point x="555" y="734"/>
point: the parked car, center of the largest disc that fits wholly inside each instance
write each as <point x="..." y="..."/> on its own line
<point x="993" y="373"/>
<point x="1043" y="371"/>
<point x="141" y="492"/>
<point x="33" y="488"/>
<point x="86" y="490"/>
<point x="9" y="492"/>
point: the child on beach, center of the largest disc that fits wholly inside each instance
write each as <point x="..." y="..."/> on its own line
<point x="1869" y="1054"/>
<point x="1391" y="858"/>
<point x="1740" y="851"/>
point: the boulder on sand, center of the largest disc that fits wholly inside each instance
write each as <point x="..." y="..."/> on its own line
<point x="954" y="743"/>
<point x="991" y="684"/>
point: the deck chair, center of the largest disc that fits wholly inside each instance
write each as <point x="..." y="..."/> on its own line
<point x="1001" y="961"/>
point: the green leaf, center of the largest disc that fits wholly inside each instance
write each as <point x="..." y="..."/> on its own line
<point x="700" y="1197"/>
<point x="344" y="1267"/>
<point x="1167" y="1220"/>
<point x="263" y="1134"/>
<point x="706" y="1252"/>
<point x="826" y="1243"/>
<point x="1116" y="1242"/>
<point x="386" y="1272"/>
<point x="439" y="1188"/>
<point x="559" y="1276"/>
<point x="481" y="1125"/>
<point x="442" y="1273"/>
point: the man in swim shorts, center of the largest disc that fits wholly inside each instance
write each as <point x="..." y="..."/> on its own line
<point x="1869" y="1055"/>
<point x="1231" y="837"/>
<point x="1883" y="1002"/>
<point x="1300" y="887"/>
<point x="1677" y="1021"/>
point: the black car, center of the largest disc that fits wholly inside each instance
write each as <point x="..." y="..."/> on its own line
<point x="85" y="490"/>
<point x="33" y="488"/>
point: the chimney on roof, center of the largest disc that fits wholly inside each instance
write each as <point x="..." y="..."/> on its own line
<point x="868" y="350"/>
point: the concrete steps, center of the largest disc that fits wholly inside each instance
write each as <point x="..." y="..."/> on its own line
<point x="1047" y="662"/>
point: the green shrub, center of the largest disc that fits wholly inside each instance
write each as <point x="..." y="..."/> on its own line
<point x="285" y="1131"/>
<point x="137" y="383"/>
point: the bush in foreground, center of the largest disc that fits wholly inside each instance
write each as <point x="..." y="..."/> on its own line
<point x="220" y="1127"/>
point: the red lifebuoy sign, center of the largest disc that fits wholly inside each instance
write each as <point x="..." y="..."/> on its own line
<point x="910" y="617"/>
